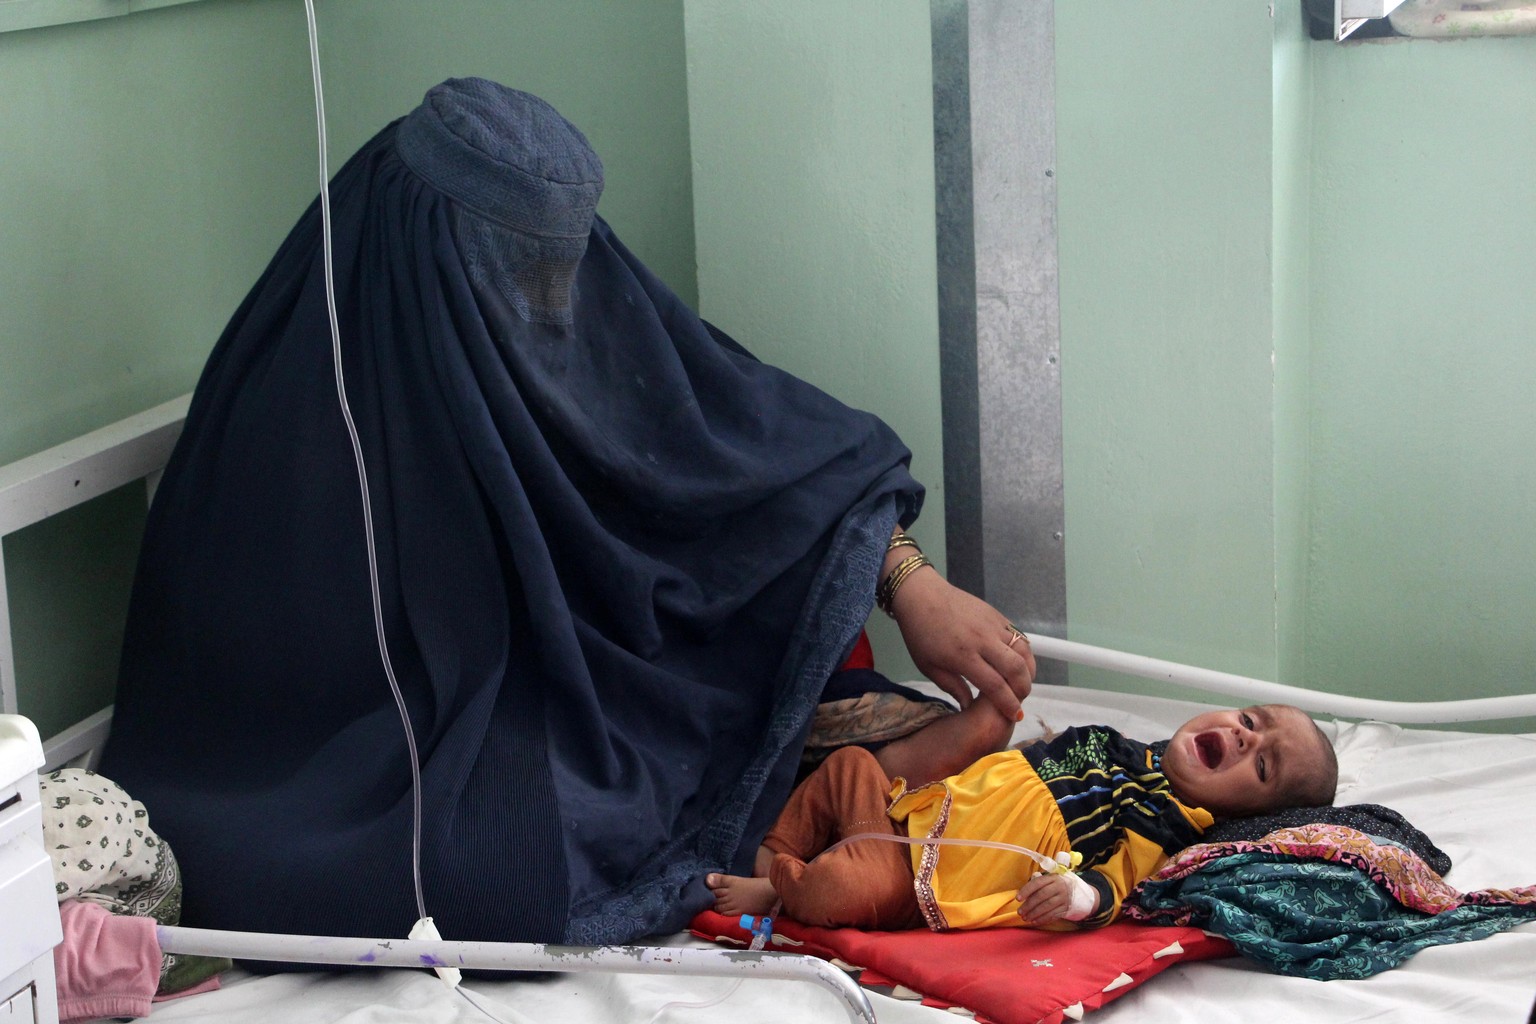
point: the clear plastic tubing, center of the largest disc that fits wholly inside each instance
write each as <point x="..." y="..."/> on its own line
<point x="1046" y="863"/>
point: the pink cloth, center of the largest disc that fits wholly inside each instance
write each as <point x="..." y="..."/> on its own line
<point x="107" y="965"/>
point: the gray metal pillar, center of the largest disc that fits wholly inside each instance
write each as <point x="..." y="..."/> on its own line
<point x="999" y="315"/>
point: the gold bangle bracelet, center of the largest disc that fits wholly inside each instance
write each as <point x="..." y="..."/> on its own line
<point x="885" y="593"/>
<point x="901" y="540"/>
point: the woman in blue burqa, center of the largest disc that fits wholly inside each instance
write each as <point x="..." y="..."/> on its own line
<point x="617" y="560"/>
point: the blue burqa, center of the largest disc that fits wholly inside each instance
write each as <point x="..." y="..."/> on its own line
<point x="617" y="559"/>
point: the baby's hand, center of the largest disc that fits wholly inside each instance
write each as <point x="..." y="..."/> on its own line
<point x="1056" y="897"/>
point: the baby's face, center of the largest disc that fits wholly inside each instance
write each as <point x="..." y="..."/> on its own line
<point x="1242" y="762"/>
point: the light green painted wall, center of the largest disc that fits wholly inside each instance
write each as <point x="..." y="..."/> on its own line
<point x="151" y="164"/>
<point x="1291" y="205"/>
<point x="1424" y="369"/>
<point x="812" y="129"/>
<point x="1164" y="169"/>
<point x="1355" y="519"/>
<point x="1352" y="516"/>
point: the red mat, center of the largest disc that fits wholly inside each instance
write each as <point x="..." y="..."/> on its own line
<point x="1002" y="975"/>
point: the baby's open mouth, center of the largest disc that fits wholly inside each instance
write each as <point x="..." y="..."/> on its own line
<point x="1210" y="749"/>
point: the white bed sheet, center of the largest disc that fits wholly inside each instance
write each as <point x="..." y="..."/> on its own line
<point x="1473" y="794"/>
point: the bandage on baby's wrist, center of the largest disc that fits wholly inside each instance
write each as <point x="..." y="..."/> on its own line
<point x="1084" y="901"/>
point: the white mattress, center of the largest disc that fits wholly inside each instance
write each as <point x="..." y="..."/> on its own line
<point x="1472" y="793"/>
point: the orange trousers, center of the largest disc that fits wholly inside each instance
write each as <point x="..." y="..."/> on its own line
<point x="866" y="884"/>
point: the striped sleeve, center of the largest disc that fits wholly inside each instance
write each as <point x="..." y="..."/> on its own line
<point x="1133" y="859"/>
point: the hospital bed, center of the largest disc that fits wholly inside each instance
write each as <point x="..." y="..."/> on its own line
<point x="1471" y="792"/>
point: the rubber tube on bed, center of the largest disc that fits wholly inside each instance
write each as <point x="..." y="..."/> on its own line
<point x="1479" y="709"/>
<point x="517" y="956"/>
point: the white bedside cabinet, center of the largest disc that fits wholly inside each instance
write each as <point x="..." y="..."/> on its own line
<point x="29" y="910"/>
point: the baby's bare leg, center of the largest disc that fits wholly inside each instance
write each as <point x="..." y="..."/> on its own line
<point x="947" y="745"/>
<point x="811" y="820"/>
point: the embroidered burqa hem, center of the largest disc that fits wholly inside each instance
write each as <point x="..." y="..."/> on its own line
<point x="617" y="559"/>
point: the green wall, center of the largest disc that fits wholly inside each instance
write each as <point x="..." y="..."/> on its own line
<point x="1298" y="332"/>
<point x="1424" y="368"/>
<point x="151" y="165"/>
<point x="1164" y="172"/>
<point x="812" y="136"/>
<point x="1291" y="266"/>
<point x="1298" y="349"/>
<point x="1297" y="328"/>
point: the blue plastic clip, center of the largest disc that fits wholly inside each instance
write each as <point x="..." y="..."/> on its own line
<point x="760" y="927"/>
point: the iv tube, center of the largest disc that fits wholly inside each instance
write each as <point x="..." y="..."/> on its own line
<point x="362" y="471"/>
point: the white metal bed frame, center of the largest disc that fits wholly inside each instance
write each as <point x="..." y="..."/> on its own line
<point x="60" y="478"/>
<point x="137" y="448"/>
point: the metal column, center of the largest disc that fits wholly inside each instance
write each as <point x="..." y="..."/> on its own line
<point x="999" y="315"/>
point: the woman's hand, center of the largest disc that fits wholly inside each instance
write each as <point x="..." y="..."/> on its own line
<point x="956" y="638"/>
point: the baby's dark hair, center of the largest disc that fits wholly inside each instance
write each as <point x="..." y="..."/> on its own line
<point x="1317" y="786"/>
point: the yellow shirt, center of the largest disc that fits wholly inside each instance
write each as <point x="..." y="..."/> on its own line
<point x="1002" y="798"/>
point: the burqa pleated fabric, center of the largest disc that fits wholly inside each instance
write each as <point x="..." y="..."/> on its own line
<point x="617" y="559"/>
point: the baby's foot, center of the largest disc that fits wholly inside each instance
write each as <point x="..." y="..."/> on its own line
<point x="737" y="895"/>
